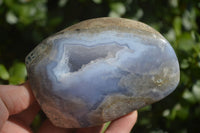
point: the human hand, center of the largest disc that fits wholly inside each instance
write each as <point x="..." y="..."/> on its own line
<point x="18" y="108"/>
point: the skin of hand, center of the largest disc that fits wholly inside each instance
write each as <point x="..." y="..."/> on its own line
<point x="18" y="108"/>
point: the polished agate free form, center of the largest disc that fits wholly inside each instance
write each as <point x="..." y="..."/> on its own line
<point x="101" y="69"/>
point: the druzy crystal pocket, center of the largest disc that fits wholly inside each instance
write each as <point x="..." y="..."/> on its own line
<point x="100" y="69"/>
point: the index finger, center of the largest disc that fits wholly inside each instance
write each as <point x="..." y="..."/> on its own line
<point x="15" y="98"/>
<point x="123" y="124"/>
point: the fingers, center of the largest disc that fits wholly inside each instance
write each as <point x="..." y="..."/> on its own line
<point x="3" y="113"/>
<point x="123" y="124"/>
<point x="28" y="115"/>
<point x="96" y="129"/>
<point x="48" y="127"/>
<point x="16" y="98"/>
<point x="20" y="123"/>
<point x="14" y="127"/>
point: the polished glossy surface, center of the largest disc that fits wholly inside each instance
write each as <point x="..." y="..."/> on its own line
<point x="101" y="69"/>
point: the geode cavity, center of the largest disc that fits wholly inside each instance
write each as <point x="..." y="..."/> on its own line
<point x="101" y="69"/>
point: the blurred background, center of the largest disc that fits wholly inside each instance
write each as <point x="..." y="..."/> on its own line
<point x="25" y="23"/>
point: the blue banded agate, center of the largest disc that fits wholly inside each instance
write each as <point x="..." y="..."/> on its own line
<point x="101" y="69"/>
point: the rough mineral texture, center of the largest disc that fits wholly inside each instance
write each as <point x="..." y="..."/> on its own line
<point x="101" y="69"/>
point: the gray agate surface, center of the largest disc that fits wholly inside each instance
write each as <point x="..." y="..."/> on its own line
<point x="101" y="69"/>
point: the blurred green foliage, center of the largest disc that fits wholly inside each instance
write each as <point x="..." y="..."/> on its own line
<point x="25" y="23"/>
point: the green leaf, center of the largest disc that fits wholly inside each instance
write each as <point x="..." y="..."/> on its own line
<point x="189" y="18"/>
<point x="1" y="2"/>
<point x="62" y="3"/>
<point x="118" y="8"/>
<point x="184" y="64"/>
<point x="166" y="113"/>
<point x="177" y="25"/>
<point x="185" y="42"/>
<point x="3" y="72"/>
<point x="139" y="14"/>
<point x="146" y="108"/>
<point x="180" y="112"/>
<point x="105" y="126"/>
<point x="185" y="79"/>
<point x="36" y="122"/>
<point x="11" y="18"/>
<point x="196" y="90"/>
<point x="113" y="14"/>
<point x="187" y="95"/>
<point x="25" y="11"/>
<point x="170" y="35"/>
<point x="144" y="121"/>
<point x="173" y="3"/>
<point x="97" y="1"/>
<point x="183" y="113"/>
<point x="17" y="73"/>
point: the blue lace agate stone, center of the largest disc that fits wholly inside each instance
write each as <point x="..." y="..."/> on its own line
<point x="100" y="69"/>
